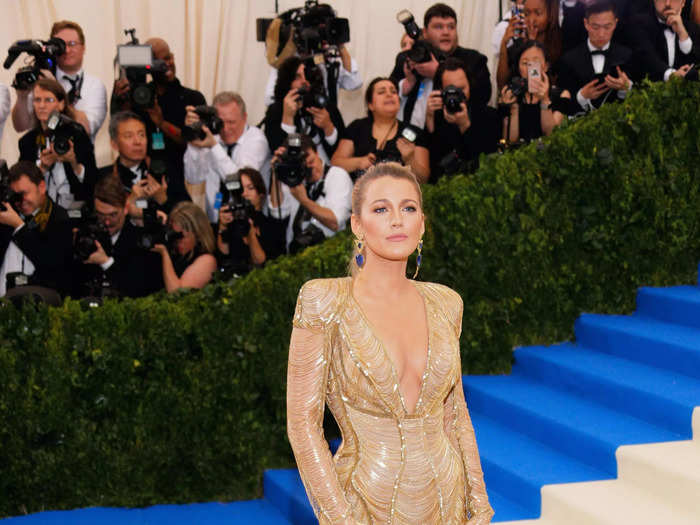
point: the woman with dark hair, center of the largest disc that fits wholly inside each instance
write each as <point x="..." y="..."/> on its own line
<point x="189" y="262"/>
<point x="70" y="175"/>
<point x="247" y="244"/>
<point x="381" y="136"/>
<point x="540" y="22"/>
<point x="533" y="101"/>
<point x="301" y="106"/>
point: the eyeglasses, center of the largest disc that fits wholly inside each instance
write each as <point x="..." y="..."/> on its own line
<point x="73" y="43"/>
<point x="113" y="216"/>
<point x="47" y="100"/>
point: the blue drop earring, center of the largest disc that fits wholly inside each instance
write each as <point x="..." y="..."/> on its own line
<point x="359" y="257"/>
<point x="419" y="257"/>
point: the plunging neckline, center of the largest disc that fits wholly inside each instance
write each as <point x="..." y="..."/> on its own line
<point x="385" y="352"/>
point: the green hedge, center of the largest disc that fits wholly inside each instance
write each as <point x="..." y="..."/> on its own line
<point x="181" y="398"/>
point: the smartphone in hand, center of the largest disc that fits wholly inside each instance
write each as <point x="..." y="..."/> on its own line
<point x="534" y="71"/>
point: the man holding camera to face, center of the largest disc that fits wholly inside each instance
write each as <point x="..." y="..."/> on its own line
<point x="113" y="255"/>
<point x="415" y="69"/>
<point x="86" y="94"/>
<point x="35" y="235"/>
<point x="595" y="70"/>
<point x="314" y="196"/>
<point x="214" y="154"/>
<point x="459" y="131"/>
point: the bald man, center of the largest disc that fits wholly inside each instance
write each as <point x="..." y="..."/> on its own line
<point x="165" y="120"/>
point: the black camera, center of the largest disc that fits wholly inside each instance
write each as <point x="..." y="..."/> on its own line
<point x="137" y="62"/>
<point x="207" y="117"/>
<point x="242" y="209"/>
<point x="63" y="130"/>
<point x="312" y="97"/>
<point x="517" y="86"/>
<point x="421" y="50"/>
<point x="89" y="231"/>
<point x="45" y="53"/>
<point x="452" y="99"/>
<point x="155" y="232"/>
<point x="292" y="169"/>
<point x="314" y="28"/>
<point x="6" y="193"/>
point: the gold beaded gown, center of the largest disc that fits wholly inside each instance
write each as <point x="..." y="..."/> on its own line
<point x="393" y="467"/>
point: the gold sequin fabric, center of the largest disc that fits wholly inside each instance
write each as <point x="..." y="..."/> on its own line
<point x="393" y="467"/>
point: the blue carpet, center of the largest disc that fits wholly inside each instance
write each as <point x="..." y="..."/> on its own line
<point x="558" y="418"/>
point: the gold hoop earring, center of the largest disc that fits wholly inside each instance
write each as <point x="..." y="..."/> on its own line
<point x="359" y="257"/>
<point x="419" y="257"/>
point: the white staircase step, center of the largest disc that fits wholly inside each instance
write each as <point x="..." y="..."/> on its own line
<point x="612" y="502"/>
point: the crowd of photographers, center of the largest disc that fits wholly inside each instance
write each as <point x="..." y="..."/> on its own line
<point x="138" y="225"/>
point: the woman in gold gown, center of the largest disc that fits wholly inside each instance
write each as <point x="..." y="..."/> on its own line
<point x="382" y="351"/>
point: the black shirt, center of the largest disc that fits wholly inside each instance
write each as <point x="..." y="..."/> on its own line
<point x="272" y="240"/>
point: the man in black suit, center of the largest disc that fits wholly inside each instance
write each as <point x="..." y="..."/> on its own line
<point x="35" y="235"/>
<point x="416" y="79"/>
<point x="130" y="270"/>
<point x="595" y="72"/>
<point x="665" y="43"/>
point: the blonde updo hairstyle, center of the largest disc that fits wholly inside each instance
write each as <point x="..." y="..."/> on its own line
<point x="359" y="192"/>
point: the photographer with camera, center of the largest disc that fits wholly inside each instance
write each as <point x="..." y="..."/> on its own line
<point x="139" y="174"/>
<point x="109" y="251"/>
<point x="533" y="107"/>
<point x="459" y="132"/>
<point x="187" y="262"/>
<point x="164" y="114"/>
<point x="35" y="235"/>
<point x="86" y="94"/>
<point x="247" y="238"/>
<point x="604" y="58"/>
<point x="59" y="145"/>
<point x="415" y="69"/>
<point x="216" y="153"/>
<point x="301" y="106"/>
<point x="313" y="195"/>
<point x="381" y="137"/>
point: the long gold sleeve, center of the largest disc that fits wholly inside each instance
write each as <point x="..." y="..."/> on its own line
<point x="458" y="426"/>
<point x="307" y="377"/>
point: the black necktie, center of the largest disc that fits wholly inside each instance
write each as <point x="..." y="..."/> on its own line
<point x="230" y="148"/>
<point x="222" y="187"/>
<point x="74" y="92"/>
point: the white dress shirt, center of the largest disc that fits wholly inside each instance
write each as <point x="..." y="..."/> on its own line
<point x="348" y="80"/>
<point x="337" y="195"/>
<point x="316" y="137"/>
<point x="685" y="46"/>
<point x="213" y="165"/>
<point x="4" y="107"/>
<point x="57" y="185"/>
<point x="92" y="101"/>
<point x="598" y="65"/>
<point x="14" y="261"/>
<point x="421" y="106"/>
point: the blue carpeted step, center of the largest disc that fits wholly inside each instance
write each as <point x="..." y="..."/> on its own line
<point x="675" y="304"/>
<point x="658" y="396"/>
<point x="577" y="427"/>
<point x="638" y="338"/>
<point x="517" y="466"/>
<point x="257" y="512"/>
<point x="505" y="508"/>
<point x="284" y="488"/>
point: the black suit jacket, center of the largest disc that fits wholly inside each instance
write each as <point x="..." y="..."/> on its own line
<point x="276" y="135"/>
<point x="573" y="32"/>
<point x="84" y="153"/>
<point x="50" y="251"/>
<point x="476" y="65"/>
<point x="651" y="50"/>
<point x="135" y="272"/>
<point x="576" y="69"/>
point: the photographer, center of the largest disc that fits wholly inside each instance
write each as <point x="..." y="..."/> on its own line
<point x="214" y="157"/>
<point x="86" y="94"/>
<point x="601" y="56"/>
<point x="190" y="263"/>
<point x="459" y="132"/>
<point x="166" y="118"/>
<point x="247" y="238"/>
<point x="532" y="104"/>
<point x="381" y="137"/>
<point x="35" y="235"/>
<point x="317" y="203"/>
<point x="415" y="79"/>
<point x="130" y="270"/>
<point x="310" y="114"/>
<point x="127" y="133"/>
<point x="70" y="175"/>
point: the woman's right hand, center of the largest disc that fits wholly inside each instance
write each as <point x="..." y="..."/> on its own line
<point x="507" y="96"/>
<point x="291" y="104"/>
<point x="47" y="158"/>
<point x="515" y="23"/>
<point x="225" y="218"/>
<point x="366" y="162"/>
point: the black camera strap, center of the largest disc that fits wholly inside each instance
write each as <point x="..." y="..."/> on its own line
<point x="315" y="191"/>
